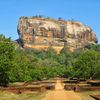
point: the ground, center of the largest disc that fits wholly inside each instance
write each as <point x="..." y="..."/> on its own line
<point x="4" y="95"/>
<point x="58" y="94"/>
<point x="61" y="94"/>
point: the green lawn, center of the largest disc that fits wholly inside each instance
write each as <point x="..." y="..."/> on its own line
<point x="25" y="96"/>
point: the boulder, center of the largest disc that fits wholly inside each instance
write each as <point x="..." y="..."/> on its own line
<point x="40" y="33"/>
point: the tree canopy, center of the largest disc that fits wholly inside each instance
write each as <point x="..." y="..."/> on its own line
<point x="20" y="65"/>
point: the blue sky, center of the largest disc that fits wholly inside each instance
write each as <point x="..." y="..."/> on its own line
<point x="85" y="11"/>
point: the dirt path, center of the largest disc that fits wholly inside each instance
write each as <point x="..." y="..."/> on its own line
<point x="60" y="94"/>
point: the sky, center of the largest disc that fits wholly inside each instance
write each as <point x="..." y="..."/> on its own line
<point x="85" y="11"/>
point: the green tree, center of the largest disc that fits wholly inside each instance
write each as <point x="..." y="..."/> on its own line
<point x="6" y="59"/>
<point x="95" y="47"/>
<point x="22" y="67"/>
<point x="88" y="64"/>
<point x="65" y="57"/>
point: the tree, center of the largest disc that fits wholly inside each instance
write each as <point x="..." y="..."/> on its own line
<point x="6" y="59"/>
<point x="65" y="57"/>
<point x="51" y="53"/>
<point x="95" y="47"/>
<point x="88" y="65"/>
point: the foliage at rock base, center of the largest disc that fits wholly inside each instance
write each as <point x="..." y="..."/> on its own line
<point x="22" y="65"/>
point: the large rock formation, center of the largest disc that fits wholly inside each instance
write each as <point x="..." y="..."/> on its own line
<point x="40" y="33"/>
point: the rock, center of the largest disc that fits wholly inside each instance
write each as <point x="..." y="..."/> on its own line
<point x="40" y="33"/>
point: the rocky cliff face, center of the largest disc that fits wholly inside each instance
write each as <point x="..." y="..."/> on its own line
<point x="40" y="33"/>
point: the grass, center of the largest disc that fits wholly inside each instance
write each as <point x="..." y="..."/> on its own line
<point x="86" y="95"/>
<point x="25" y="96"/>
<point x="38" y="96"/>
